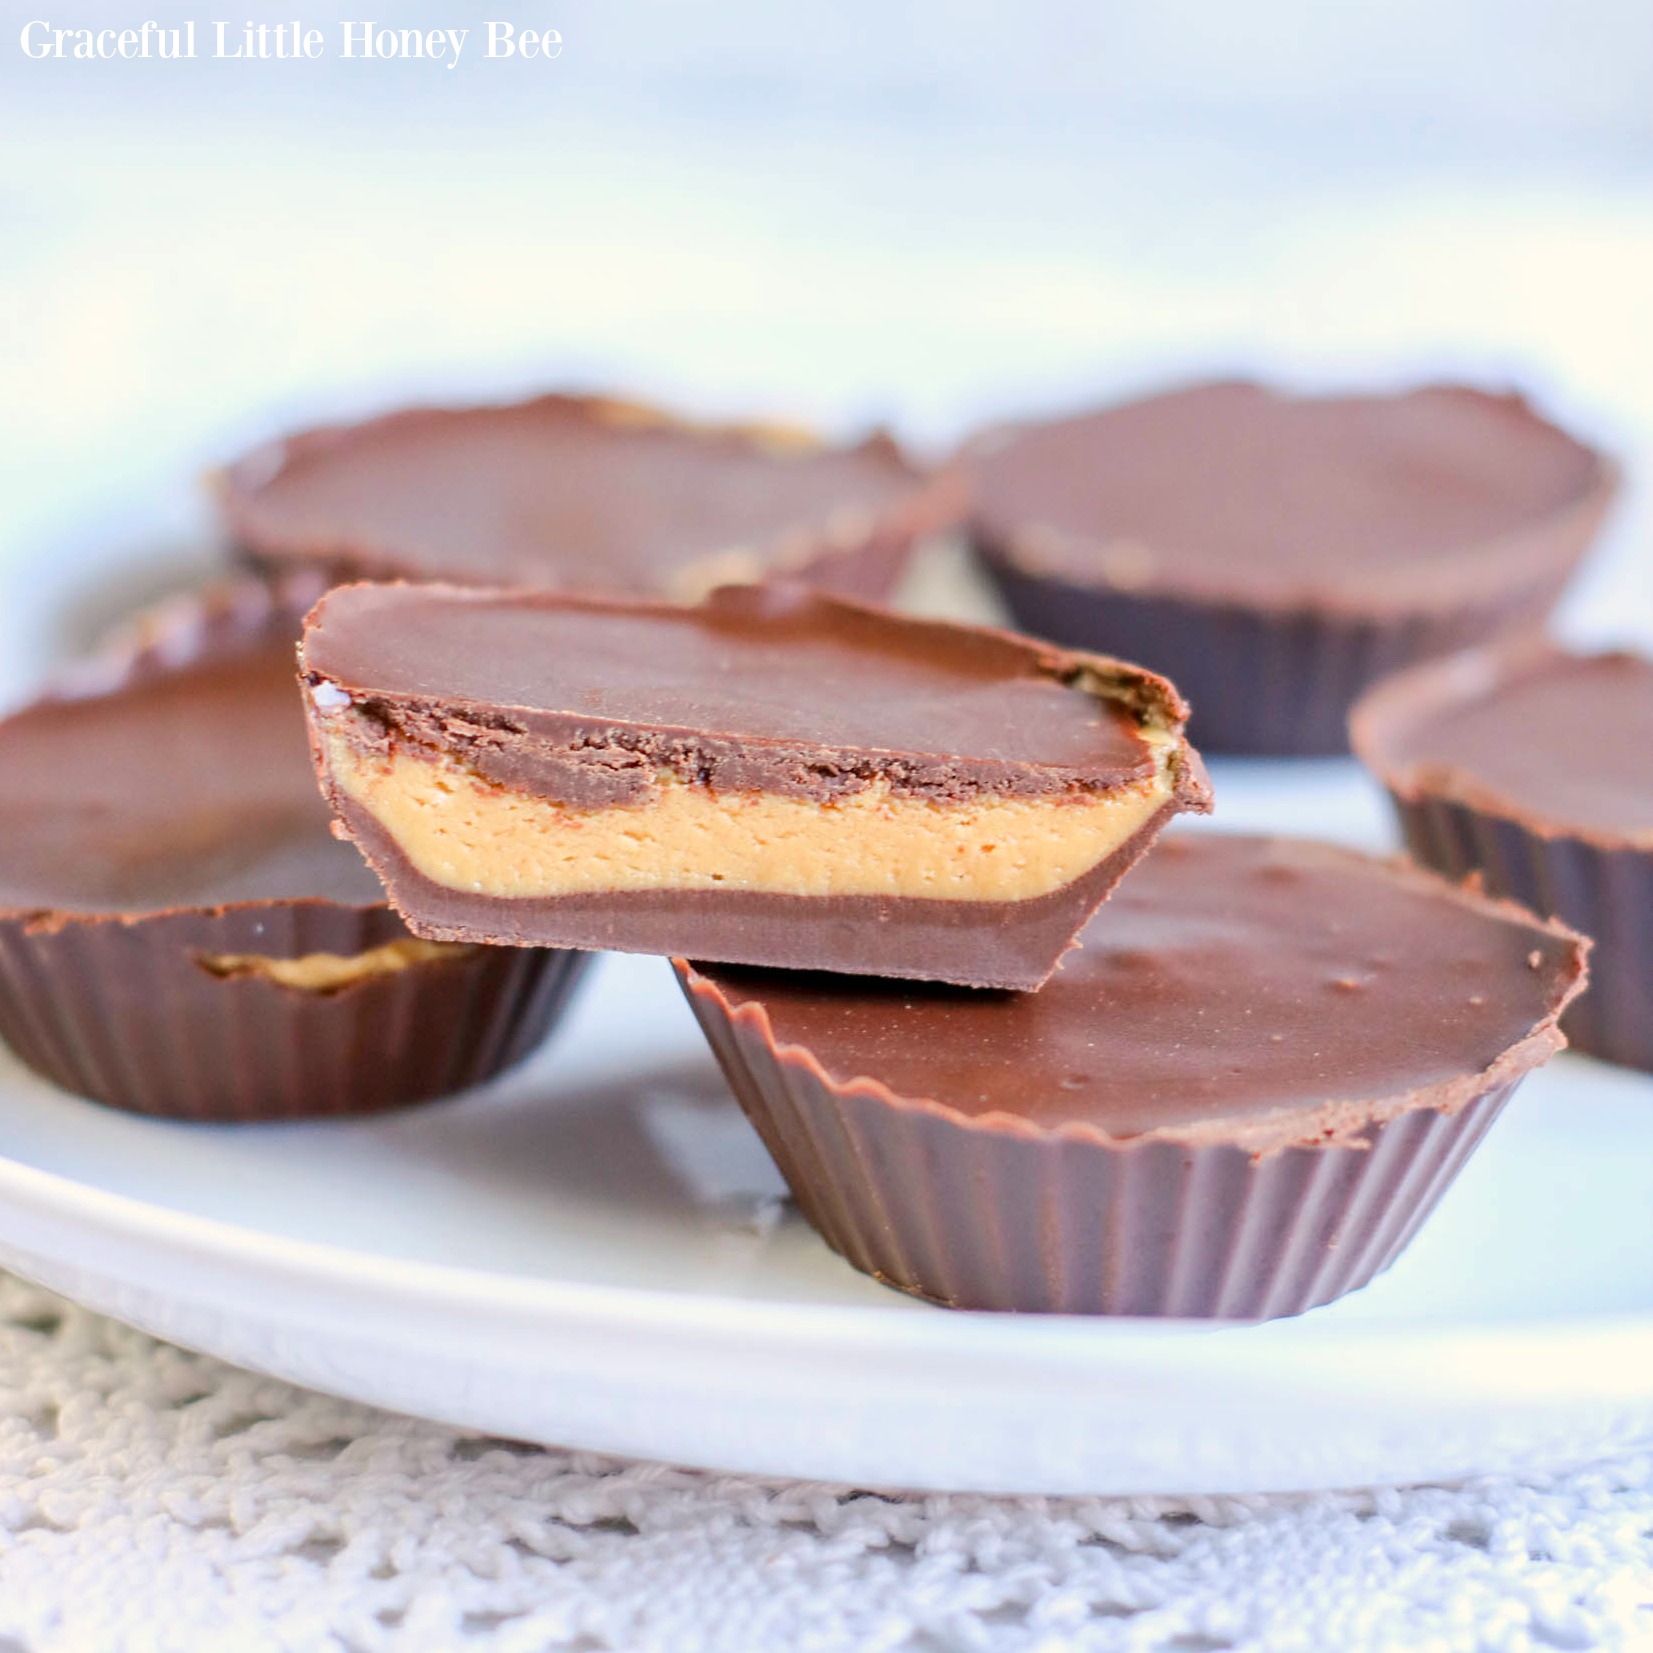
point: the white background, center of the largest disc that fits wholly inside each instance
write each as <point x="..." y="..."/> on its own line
<point x="924" y="213"/>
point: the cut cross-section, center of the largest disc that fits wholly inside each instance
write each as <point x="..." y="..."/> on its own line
<point x="774" y="777"/>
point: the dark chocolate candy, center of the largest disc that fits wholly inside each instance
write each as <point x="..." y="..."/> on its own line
<point x="1561" y="741"/>
<point x="1277" y="554"/>
<point x="145" y="1014"/>
<point x="1532" y="769"/>
<point x="778" y="689"/>
<point x="1239" y="1097"/>
<point x="582" y="493"/>
<point x="184" y="787"/>
<point x="593" y="706"/>
<point x="171" y="896"/>
<point x="1268" y="992"/>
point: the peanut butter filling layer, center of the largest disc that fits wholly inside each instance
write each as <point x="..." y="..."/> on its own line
<point x="327" y="972"/>
<point x="466" y="833"/>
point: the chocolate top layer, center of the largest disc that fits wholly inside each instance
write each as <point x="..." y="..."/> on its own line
<point x="1233" y="490"/>
<point x="186" y="787"/>
<point x="788" y="680"/>
<point x="563" y="491"/>
<point x="1264" y="991"/>
<point x="1562" y="741"/>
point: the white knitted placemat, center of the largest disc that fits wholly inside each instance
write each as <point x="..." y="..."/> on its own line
<point x="153" y="1499"/>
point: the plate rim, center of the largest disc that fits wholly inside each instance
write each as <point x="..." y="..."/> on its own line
<point x="602" y="1305"/>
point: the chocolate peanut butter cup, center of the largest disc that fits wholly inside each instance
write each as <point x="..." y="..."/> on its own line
<point x="583" y="493"/>
<point x="1274" y="555"/>
<point x="181" y="934"/>
<point x="1238" y="1099"/>
<point x="774" y="777"/>
<point x="1531" y="769"/>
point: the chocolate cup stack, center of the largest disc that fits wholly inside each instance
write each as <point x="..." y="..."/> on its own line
<point x="1240" y="1092"/>
<point x="1244" y="1192"/>
<point x="173" y="995"/>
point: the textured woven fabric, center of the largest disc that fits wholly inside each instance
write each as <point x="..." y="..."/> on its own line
<point x="156" y="1499"/>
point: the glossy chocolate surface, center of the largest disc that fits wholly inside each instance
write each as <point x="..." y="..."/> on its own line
<point x="184" y="788"/>
<point x="794" y="690"/>
<point x="1264" y="988"/>
<point x="1233" y="490"/>
<point x="1564" y="741"/>
<point x="559" y="492"/>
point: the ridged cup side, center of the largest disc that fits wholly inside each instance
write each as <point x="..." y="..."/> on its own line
<point x="982" y="1218"/>
<point x="1605" y="893"/>
<point x="1260" y="682"/>
<point x="124" y="1012"/>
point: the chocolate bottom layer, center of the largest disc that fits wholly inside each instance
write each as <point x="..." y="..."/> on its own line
<point x="1001" y="944"/>
<point x="1260" y="683"/>
<point x="126" y="1012"/>
<point x="979" y="1218"/>
<point x="1605" y="893"/>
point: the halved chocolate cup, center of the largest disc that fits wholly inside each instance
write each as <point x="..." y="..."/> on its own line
<point x="1591" y="874"/>
<point x="583" y="493"/>
<point x="775" y="776"/>
<point x="1404" y="528"/>
<point x="299" y="992"/>
<point x="988" y="1189"/>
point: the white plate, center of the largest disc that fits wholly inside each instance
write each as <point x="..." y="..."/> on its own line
<point x="595" y="1252"/>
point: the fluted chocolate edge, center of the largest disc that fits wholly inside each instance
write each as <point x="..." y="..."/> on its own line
<point x="972" y="1216"/>
<point x="121" y="1008"/>
<point x="1261" y="682"/>
<point x="1604" y="892"/>
<point x="1601" y="888"/>
<point x="125" y="1011"/>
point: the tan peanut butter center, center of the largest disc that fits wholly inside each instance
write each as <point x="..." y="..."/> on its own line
<point x="327" y="972"/>
<point x="466" y="833"/>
